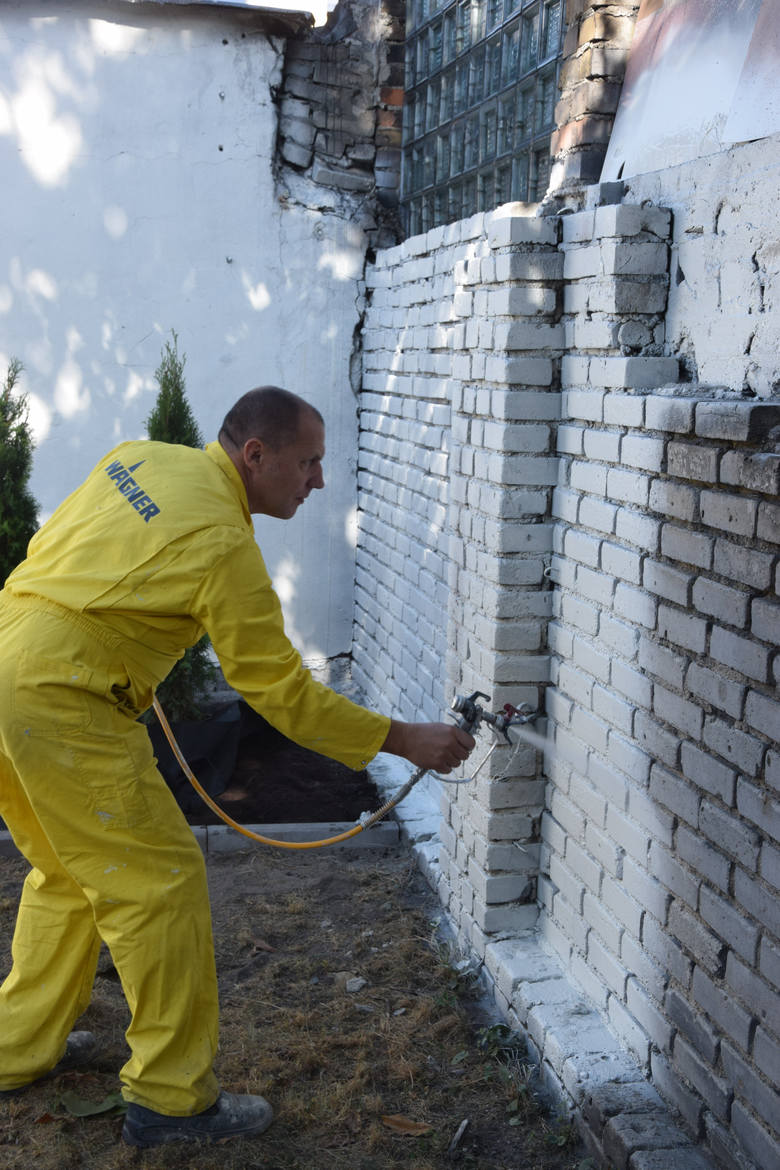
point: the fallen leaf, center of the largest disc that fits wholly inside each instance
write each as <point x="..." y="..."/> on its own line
<point x="45" y="1118"/>
<point x="405" y="1125"/>
<point x="259" y="944"/>
<point x="81" y="1107"/>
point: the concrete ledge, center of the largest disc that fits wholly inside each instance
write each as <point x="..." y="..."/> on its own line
<point x="223" y="839"/>
<point x="621" y="1117"/>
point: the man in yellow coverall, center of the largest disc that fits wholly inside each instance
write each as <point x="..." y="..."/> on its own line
<point x="155" y="548"/>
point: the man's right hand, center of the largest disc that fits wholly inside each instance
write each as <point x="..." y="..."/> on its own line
<point x="439" y="747"/>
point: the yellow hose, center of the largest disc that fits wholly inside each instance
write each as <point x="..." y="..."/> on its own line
<point x="353" y="832"/>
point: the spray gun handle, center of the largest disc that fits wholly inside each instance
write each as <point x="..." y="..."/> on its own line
<point x="469" y="710"/>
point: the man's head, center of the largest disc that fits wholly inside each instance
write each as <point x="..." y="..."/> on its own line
<point x="276" y="441"/>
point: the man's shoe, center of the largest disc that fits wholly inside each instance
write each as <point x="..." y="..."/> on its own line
<point x="231" y="1115"/>
<point x="78" y="1051"/>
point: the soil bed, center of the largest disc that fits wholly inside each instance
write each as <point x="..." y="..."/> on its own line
<point x="262" y="778"/>
<point x="367" y="1075"/>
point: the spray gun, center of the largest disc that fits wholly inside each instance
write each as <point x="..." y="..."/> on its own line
<point x="468" y="714"/>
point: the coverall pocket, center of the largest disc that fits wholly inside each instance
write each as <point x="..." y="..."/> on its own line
<point x="119" y="802"/>
<point x="50" y="696"/>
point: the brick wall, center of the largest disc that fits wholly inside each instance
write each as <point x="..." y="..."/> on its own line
<point x="652" y="857"/>
<point x="339" y="129"/>
<point x="595" y="51"/>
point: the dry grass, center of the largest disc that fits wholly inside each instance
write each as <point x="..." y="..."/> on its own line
<point x="289" y="930"/>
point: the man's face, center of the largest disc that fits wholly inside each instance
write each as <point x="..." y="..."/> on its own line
<point x="279" y="481"/>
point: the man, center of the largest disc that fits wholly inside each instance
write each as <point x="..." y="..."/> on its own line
<point x="153" y="549"/>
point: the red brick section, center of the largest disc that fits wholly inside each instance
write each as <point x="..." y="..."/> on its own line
<point x="595" y="50"/>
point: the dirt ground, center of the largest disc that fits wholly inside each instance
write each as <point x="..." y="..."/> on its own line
<point x="341" y="1002"/>
<point x="369" y="1075"/>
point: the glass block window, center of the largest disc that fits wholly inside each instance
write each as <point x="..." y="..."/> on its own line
<point x="481" y="88"/>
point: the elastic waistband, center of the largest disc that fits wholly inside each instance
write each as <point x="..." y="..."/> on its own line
<point x="30" y="603"/>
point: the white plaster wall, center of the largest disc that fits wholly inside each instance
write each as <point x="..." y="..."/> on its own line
<point x="725" y="267"/>
<point x="137" y="196"/>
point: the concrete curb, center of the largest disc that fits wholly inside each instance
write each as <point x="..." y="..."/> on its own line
<point x="221" y="839"/>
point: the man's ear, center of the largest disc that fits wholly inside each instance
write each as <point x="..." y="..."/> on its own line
<point x="253" y="452"/>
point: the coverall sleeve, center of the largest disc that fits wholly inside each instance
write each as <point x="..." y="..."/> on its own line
<point x="239" y="609"/>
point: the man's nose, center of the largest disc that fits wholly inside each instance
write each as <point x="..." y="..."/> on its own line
<point x="317" y="480"/>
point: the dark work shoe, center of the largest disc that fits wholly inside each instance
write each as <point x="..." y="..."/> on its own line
<point x="231" y="1115"/>
<point x="78" y="1051"/>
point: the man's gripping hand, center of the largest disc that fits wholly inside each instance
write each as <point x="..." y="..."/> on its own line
<point x="438" y="746"/>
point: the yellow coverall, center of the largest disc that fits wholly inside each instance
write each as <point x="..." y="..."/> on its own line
<point x="154" y="548"/>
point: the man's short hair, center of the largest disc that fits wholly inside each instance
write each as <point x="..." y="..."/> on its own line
<point x="268" y="413"/>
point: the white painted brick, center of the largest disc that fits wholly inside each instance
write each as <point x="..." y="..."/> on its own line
<point x="602" y="446"/>
<point x="768" y="522"/>
<point x="619" y="636"/>
<point x="763" y="713"/>
<point x="682" y="629"/>
<point x="570" y="440"/>
<point x="678" y="712"/>
<point x="765" y="620"/>
<point x="581" y="614"/>
<point x="597" y="514"/>
<point x="708" y="774"/>
<point x="533" y="266"/>
<point x="733" y="745"/>
<point x="581" y="547"/>
<point x="756" y="805"/>
<point x="728" y="513"/>
<point x="574" y="370"/>
<point x="637" y="529"/>
<point x="632" y="487"/>
<point x="578" y="227"/>
<point x="529" y="371"/>
<point x="640" y="451"/>
<point x="629" y="1031"/>
<point x="588" y="656"/>
<point x="501" y="436"/>
<point x="609" y="780"/>
<point x="661" y="662"/>
<point x="741" y="654"/>
<point x="633" y="684"/>
<point x="588" y="477"/>
<point x="759" y="901"/>
<point x="605" y="850"/>
<point x="648" y="1015"/>
<point x="624" y="410"/>
<point x="671" y="584"/>
<point x="629" y="757"/>
<point x="583" y="404"/>
<point x="614" y="710"/>
<point x="693" y="461"/>
<point x="739" y="932"/>
<point x="745" y="565"/>
<point x="634" y="259"/>
<point x="625" y="219"/>
<point x="521" y="301"/>
<point x="635" y="605"/>
<point x="527" y="335"/>
<point x="632" y="372"/>
<point x="595" y="586"/>
<point x="686" y="546"/>
<point x="664" y="413"/>
<point x="674" y="499"/>
<point x="504" y="229"/>
<point x="659" y="743"/>
<point x="581" y="262"/>
<point x="582" y="865"/>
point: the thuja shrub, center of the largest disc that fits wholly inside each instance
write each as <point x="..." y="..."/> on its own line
<point x="172" y="421"/>
<point x="18" y="508"/>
